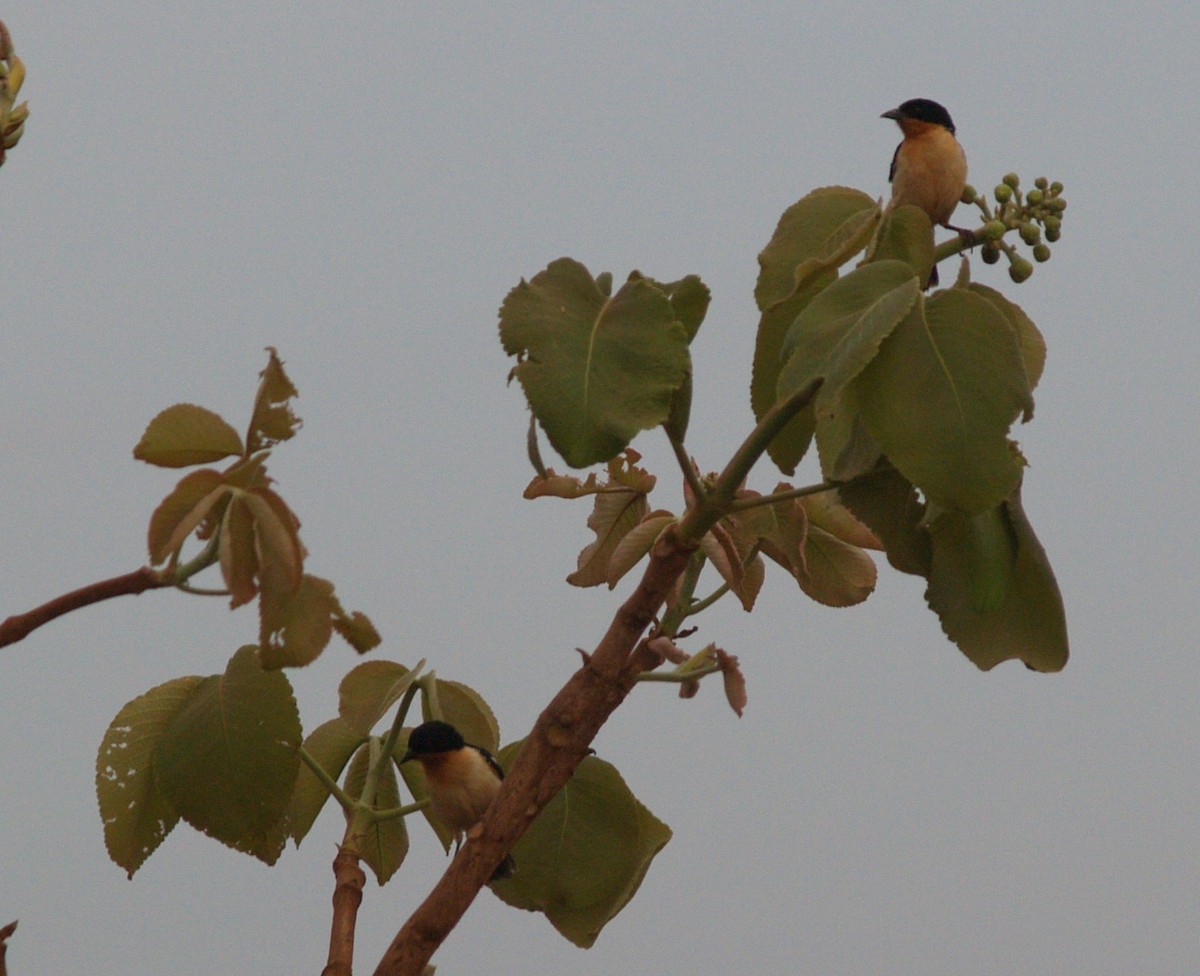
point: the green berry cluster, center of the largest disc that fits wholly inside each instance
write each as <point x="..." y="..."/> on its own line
<point x="1035" y="215"/>
<point x="12" y="74"/>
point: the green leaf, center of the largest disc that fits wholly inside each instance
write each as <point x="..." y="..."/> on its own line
<point x="273" y="419"/>
<point x="845" y="447"/>
<point x="186" y="434"/>
<point x="889" y="506"/>
<point x="1033" y="346"/>
<point x="841" y="329"/>
<point x="295" y="627"/>
<point x="689" y="297"/>
<point x="1023" y="616"/>
<point x="181" y="512"/>
<point x="781" y="529"/>
<point x="368" y="691"/>
<point x="620" y="506"/>
<point x="839" y="574"/>
<point x="815" y="235"/>
<point x="331" y="744"/>
<point x="585" y="855"/>
<point x="596" y="370"/>
<point x="228" y="758"/>
<point x="906" y="234"/>
<point x="941" y="395"/>
<point x="136" y="815"/>
<point x="464" y="708"/>
<point x="384" y="845"/>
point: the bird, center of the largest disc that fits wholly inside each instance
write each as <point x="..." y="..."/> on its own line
<point x="462" y="780"/>
<point x="929" y="167"/>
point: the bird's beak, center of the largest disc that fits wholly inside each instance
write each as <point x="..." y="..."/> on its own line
<point x="407" y="757"/>
<point x="893" y="114"/>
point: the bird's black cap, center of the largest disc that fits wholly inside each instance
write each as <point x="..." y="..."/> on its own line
<point x="433" y="737"/>
<point x="923" y="110"/>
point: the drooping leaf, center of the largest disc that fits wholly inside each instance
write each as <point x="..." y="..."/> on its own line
<point x="368" y="691"/>
<point x="906" y="234"/>
<point x="273" y="419"/>
<point x="185" y="434"/>
<point x="1027" y="622"/>
<point x="277" y="538"/>
<point x="238" y="552"/>
<point x="552" y="485"/>
<point x="619" y="508"/>
<point x="780" y="529"/>
<point x="295" y="627"/>
<point x="733" y="553"/>
<point x="181" y="512"/>
<point x="464" y="708"/>
<point x="1033" y="346"/>
<point x="227" y="759"/>
<point x="384" y="846"/>
<point x="596" y="370"/>
<point x="585" y="855"/>
<point x="136" y="814"/>
<point x="356" y="629"/>
<point x="941" y="395"/>
<point x="887" y="503"/>
<point x="734" y="681"/>
<point x="839" y="574"/>
<point x="331" y="744"/>
<point x="841" y="329"/>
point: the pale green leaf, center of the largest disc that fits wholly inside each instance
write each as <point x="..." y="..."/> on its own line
<point x="136" y="815"/>
<point x="368" y="692"/>
<point x="384" y="845"/>
<point x="464" y="708"/>
<point x="906" y="234"/>
<point x="331" y="744"/>
<point x="185" y="434"/>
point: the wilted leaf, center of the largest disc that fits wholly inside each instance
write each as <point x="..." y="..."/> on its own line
<point x="619" y="508"/>
<point x="585" y="855"/>
<point x="186" y="434"/>
<point x="331" y="744"/>
<point x="941" y="395"/>
<point x="385" y="844"/>
<point x="1027" y="623"/>
<point x="356" y="629"/>
<point x="273" y="419"/>
<point x="734" y="681"/>
<point x="136" y="815"/>
<point x="636" y="543"/>
<point x="561" y="486"/>
<point x="596" y="370"/>
<point x="368" y="691"/>
<point x="227" y="759"/>
<point x="295" y="627"/>
<point x="181" y="512"/>
<point x="780" y="529"/>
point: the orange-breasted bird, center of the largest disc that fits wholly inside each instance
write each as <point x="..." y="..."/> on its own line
<point x="929" y="168"/>
<point x="462" y="780"/>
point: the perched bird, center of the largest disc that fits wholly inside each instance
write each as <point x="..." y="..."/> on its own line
<point x="462" y="780"/>
<point x="929" y="168"/>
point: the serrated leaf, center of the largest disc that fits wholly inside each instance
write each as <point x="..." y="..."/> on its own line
<point x="826" y="511"/>
<point x="464" y="708"/>
<point x="619" y="508"/>
<point x="596" y="370"/>
<point x="185" y="434"/>
<point x="585" y="855"/>
<point x="272" y="419"/>
<point x="237" y="549"/>
<point x="295" y="627"/>
<point x="841" y="329"/>
<point x="356" y="630"/>
<point x="385" y="843"/>
<point x="227" y="760"/>
<point x="780" y="529"/>
<point x="906" y="234"/>
<point x="277" y="534"/>
<point x="136" y="815"/>
<point x="941" y="395"/>
<point x="368" y="691"/>
<point x="331" y="744"/>
<point x="844" y="445"/>
<point x="179" y="514"/>
<point x="1029" y="337"/>
<point x="551" y="485"/>
<point x="1027" y="622"/>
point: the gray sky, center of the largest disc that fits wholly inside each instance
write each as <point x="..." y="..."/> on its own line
<point x="359" y="185"/>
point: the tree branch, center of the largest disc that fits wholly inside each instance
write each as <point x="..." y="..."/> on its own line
<point x="349" y="881"/>
<point x="21" y="625"/>
<point x="564" y="731"/>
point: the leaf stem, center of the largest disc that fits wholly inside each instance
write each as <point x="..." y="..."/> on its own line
<point x="344" y="799"/>
<point x="679" y="677"/>
<point x="686" y="465"/>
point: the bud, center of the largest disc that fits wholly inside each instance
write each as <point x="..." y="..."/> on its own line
<point x="1041" y="182"/>
<point x="1003" y="193"/>
<point x="1012" y="179"/>
<point x="1056" y="188"/>
<point x="1033" y="197"/>
<point x="990" y="253"/>
<point x="968" y="194"/>
<point x="1041" y="253"/>
<point x="993" y="230"/>
<point x="1020" y="270"/>
<point x="1031" y="233"/>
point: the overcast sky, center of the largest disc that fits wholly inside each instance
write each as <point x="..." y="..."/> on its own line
<point x="359" y="185"/>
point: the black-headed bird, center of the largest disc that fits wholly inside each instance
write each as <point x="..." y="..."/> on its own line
<point x="929" y="168"/>
<point x="462" y="780"/>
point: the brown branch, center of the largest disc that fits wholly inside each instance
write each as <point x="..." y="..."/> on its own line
<point x="21" y="625"/>
<point x="347" y="896"/>
<point x="11" y="927"/>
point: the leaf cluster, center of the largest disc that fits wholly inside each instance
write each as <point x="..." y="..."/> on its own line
<point x="12" y="77"/>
